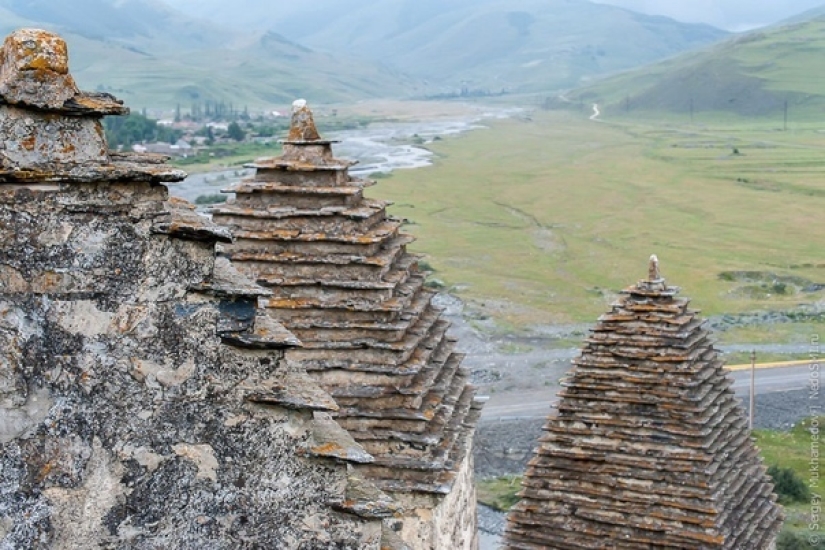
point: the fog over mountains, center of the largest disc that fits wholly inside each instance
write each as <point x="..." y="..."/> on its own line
<point x="155" y="53"/>
<point x="732" y="15"/>
<point x="516" y="45"/>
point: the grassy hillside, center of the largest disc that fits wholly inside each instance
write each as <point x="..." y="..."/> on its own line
<point x="264" y="72"/>
<point x="754" y="75"/>
<point x="144" y="25"/>
<point x="518" y="45"/>
<point x="151" y="56"/>
<point x="544" y="221"/>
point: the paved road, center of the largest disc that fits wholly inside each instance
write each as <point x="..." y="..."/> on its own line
<point x="770" y="380"/>
<point x="539" y="402"/>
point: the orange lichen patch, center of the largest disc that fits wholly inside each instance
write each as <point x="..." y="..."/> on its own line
<point x="46" y="469"/>
<point x="28" y="143"/>
<point x="291" y="304"/>
<point x="49" y="281"/>
<point x="329" y="449"/>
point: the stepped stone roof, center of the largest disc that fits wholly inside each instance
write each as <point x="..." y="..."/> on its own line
<point x="344" y="284"/>
<point x="650" y="447"/>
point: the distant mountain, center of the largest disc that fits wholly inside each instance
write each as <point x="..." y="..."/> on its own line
<point x="805" y="16"/>
<point x="131" y="23"/>
<point x="752" y="74"/>
<point x="151" y="55"/>
<point x="518" y="45"/>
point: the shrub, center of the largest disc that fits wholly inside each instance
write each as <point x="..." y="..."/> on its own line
<point x="789" y="486"/>
<point x="789" y="540"/>
<point x="215" y="198"/>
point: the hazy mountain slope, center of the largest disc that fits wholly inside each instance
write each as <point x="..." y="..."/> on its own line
<point x="135" y="23"/>
<point x="294" y="20"/>
<point x="266" y="70"/>
<point x="523" y="45"/>
<point x="753" y="74"/>
<point x="151" y="55"/>
<point x="805" y="16"/>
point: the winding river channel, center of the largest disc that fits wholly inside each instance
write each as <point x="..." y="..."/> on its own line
<point x="379" y="147"/>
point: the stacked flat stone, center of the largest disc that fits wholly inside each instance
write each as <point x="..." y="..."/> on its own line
<point x="649" y="448"/>
<point x="344" y="284"/>
<point x="144" y="399"/>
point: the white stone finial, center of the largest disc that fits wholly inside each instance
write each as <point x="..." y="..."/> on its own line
<point x="653" y="268"/>
<point x="302" y="127"/>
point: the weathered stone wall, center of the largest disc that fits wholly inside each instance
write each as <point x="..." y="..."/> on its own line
<point x="455" y="520"/>
<point x="144" y="400"/>
<point x="124" y="421"/>
<point x="448" y="522"/>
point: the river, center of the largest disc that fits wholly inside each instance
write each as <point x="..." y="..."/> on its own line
<point x="378" y="147"/>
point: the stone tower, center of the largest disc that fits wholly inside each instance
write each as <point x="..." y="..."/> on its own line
<point x="144" y="402"/>
<point x="649" y="448"/>
<point x="344" y="283"/>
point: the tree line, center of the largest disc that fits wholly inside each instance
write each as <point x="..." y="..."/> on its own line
<point x="137" y="128"/>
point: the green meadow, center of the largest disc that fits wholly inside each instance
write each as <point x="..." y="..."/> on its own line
<point x="545" y="219"/>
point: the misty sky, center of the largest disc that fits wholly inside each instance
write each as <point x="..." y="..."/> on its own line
<point x="734" y="15"/>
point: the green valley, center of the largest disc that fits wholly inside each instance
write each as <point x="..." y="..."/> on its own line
<point x="544" y="220"/>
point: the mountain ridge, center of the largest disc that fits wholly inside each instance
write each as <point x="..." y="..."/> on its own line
<point x="151" y="55"/>
<point x="516" y="45"/>
<point x="758" y="73"/>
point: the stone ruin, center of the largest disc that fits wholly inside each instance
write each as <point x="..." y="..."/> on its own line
<point x="144" y="399"/>
<point x="650" y="447"/>
<point x="344" y="284"/>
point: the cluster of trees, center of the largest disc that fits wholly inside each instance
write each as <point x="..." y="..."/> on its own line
<point x="212" y="110"/>
<point x="136" y="128"/>
<point x="233" y="132"/>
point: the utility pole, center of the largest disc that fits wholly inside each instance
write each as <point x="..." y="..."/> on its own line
<point x="753" y="388"/>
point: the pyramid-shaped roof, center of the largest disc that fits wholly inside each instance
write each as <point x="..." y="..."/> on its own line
<point x="343" y="282"/>
<point x="649" y="448"/>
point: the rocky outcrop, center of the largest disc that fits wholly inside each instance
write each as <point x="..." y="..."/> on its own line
<point x="649" y="448"/>
<point x="343" y="282"/>
<point x="144" y="402"/>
